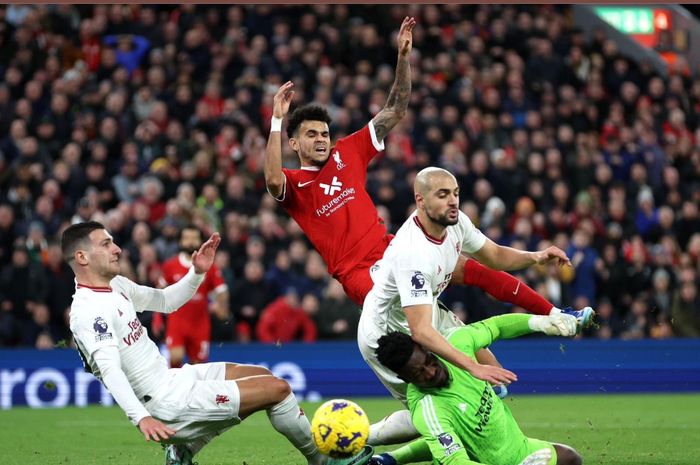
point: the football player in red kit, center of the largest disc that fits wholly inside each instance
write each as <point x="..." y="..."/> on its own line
<point x="328" y="199"/>
<point x="188" y="331"/>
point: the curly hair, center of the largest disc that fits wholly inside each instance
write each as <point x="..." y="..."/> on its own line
<point x="306" y="113"/>
<point x="394" y="350"/>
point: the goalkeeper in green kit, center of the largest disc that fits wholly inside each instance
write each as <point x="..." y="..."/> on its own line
<point x="460" y="418"/>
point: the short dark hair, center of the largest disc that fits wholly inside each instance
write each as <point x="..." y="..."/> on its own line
<point x="75" y="235"/>
<point x="394" y="350"/>
<point x="306" y="113"/>
<point x="188" y="227"/>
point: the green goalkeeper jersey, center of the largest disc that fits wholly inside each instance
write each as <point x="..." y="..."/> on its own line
<point x="466" y="422"/>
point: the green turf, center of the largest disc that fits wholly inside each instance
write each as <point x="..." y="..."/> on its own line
<point x="605" y="429"/>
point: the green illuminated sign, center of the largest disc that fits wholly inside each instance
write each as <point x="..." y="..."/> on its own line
<point x="630" y="20"/>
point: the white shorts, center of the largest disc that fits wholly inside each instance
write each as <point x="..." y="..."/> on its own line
<point x="198" y="401"/>
<point x="368" y="335"/>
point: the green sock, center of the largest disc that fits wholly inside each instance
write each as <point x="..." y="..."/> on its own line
<point x="416" y="451"/>
<point x="508" y="326"/>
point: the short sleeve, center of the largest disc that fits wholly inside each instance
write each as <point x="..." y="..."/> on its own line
<point x="473" y="239"/>
<point x="362" y="144"/>
<point x="414" y="281"/>
<point x="94" y="329"/>
<point x="283" y="195"/>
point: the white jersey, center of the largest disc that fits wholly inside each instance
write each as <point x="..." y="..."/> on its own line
<point x="102" y="317"/>
<point x="415" y="269"/>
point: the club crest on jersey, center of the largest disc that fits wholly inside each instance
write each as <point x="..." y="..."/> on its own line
<point x="338" y="162"/>
<point x="100" y="327"/>
<point x="222" y="399"/>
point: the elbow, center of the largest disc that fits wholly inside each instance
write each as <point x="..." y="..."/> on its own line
<point x="275" y="184"/>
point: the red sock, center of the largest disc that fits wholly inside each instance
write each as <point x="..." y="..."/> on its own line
<point x="505" y="288"/>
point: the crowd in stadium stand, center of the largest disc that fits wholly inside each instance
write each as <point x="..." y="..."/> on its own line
<point x="148" y="118"/>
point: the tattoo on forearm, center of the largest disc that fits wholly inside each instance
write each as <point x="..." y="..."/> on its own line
<point x="397" y="102"/>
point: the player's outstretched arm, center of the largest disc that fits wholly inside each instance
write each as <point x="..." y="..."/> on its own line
<point x="177" y="294"/>
<point x="499" y="257"/>
<point x="397" y="102"/>
<point x="423" y="333"/>
<point x="109" y="363"/>
<point x="274" y="177"/>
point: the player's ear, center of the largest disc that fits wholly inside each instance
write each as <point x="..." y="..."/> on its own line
<point x="420" y="201"/>
<point x="80" y="257"/>
<point x="294" y="144"/>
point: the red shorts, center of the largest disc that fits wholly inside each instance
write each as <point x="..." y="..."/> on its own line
<point x="194" y="337"/>
<point x="357" y="282"/>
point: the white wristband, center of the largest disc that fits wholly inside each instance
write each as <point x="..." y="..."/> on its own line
<point x="276" y="124"/>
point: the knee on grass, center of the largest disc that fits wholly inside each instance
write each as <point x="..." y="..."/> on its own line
<point x="567" y="455"/>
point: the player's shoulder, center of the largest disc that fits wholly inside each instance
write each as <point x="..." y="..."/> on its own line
<point x="121" y="284"/>
<point x="464" y="221"/>
<point x="292" y="173"/>
<point x="352" y="138"/>
<point x="462" y="337"/>
<point x="86" y="305"/>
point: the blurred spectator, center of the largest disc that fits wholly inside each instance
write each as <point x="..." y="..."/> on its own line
<point x="130" y="49"/>
<point x="22" y="287"/>
<point x="585" y="260"/>
<point x="337" y="316"/>
<point x="284" y="320"/>
<point x="686" y="311"/>
<point x="250" y="295"/>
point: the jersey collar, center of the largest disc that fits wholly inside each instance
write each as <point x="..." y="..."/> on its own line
<point x="92" y="288"/>
<point x="430" y="238"/>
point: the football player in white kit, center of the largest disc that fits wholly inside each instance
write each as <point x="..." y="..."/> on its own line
<point x="182" y="407"/>
<point x="417" y="267"/>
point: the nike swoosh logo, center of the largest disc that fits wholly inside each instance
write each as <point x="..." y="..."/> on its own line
<point x="302" y="184"/>
<point x="516" y="288"/>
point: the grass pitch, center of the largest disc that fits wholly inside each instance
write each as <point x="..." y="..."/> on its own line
<point x="605" y="429"/>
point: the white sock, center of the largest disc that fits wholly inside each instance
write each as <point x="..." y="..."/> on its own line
<point x="396" y="428"/>
<point x="288" y="419"/>
<point x="554" y="324"/>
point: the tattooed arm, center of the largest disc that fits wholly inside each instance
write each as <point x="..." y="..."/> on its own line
<point x="397" y="103"/>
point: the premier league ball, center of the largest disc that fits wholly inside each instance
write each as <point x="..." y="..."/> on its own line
<point x="340" y="428"/>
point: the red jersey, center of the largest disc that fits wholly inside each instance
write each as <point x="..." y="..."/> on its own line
<point x="332" y="206"/>
<point x="196" y="310"/>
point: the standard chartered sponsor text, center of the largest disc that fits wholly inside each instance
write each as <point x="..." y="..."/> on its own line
<point x="336" y="202"/>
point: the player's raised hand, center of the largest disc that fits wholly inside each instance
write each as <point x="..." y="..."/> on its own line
<point x="552" y="253"/>
<point x="203" y="258"/>
<point x="492" y="374"/>
<point x="153" y="429"/>
<point x="405" y="38"/>
<point x="282" y="100"/>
